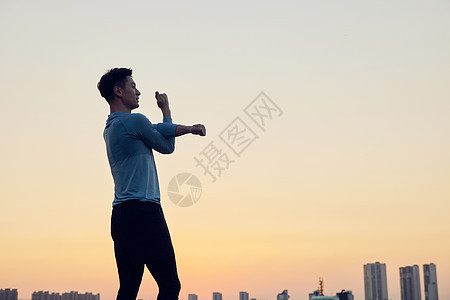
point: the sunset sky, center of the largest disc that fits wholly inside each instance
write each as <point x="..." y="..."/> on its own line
<point x="356" y="168"/>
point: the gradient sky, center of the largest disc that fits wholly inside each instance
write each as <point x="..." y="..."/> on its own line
<point x="355" y="170"/>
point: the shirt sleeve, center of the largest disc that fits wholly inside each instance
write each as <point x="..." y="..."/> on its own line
<point x="166" y="128"/>
<point x="151" y="136"/>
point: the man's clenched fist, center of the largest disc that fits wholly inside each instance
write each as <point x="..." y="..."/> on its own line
<point x="198" y="129"/>
<point x="162" y="100"/>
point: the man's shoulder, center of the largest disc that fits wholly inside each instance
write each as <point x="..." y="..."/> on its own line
<point x="137" y="118"/>
<point x="135" y="122"/>
<point x="131" y="122"/>
<point x="130" y="117"/>
<point x="137" y="115"/>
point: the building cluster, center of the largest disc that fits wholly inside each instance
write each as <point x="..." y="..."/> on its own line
<point x="375" y="282"/>
<point x="318" y="294"/>
<point x="343" y="295"/>
<point x="8" y="294"/>
<point x="11" y="294"/>
<point x="218" y="296"/>
<point x="45" y="295"/>
<point x="375" y="287"/>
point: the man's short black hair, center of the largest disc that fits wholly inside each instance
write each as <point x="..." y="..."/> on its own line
<point x="112" y="78"/>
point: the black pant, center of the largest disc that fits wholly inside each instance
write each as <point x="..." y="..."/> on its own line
<point x="164" y="271"/>
<point x="141" y="238"/>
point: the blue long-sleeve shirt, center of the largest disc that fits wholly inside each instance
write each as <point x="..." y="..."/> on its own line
<point x="130" y="138"/>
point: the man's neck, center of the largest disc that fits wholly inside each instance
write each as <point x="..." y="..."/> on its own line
<point x="118" y="106"/>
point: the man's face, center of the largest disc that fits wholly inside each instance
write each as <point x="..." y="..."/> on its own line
<point x="130" y="94"/>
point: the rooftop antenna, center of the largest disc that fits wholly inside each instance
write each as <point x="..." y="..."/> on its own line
<point x="321" y="286"/>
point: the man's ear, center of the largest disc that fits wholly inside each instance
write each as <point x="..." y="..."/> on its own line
<point x="117" y="91"/>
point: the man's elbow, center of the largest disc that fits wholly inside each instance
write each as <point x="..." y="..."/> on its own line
<point x="170" y="149"/>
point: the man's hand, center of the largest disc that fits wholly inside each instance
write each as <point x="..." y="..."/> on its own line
<point x="198" y="129"/>
<point x="163" y="103"/>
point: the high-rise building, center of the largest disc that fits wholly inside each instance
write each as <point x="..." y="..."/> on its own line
<point x="217" y="296"/>
<point x="375" y="282"/>
<point x="430" y="282"/>
<point x="410" y="283"/>
<point x="243" y="296"/>
<point x="283" y="296"/>
<point x="8" y="294"/>
<point x="192" y="297"/>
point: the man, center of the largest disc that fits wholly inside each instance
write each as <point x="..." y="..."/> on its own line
<point x="138" y="228"/>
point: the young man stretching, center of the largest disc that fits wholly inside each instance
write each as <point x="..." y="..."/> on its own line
<point x="138" y="228"/>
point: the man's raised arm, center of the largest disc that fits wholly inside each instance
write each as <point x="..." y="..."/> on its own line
<point x="163" y="103"/>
